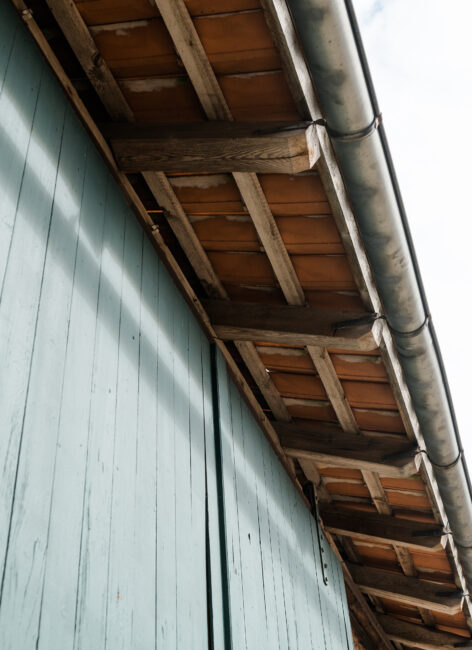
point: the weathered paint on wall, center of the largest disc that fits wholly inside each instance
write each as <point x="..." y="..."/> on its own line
<point x="118" y="521"/>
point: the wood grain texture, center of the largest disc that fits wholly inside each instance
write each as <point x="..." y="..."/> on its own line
<point x="417" y="636"/>
<point x="288" y="324"/>
<point x="214" y="147"/>
<point x="404" y="589"/>
<point x="383" y="528"/>
<point x="348" y="450"/>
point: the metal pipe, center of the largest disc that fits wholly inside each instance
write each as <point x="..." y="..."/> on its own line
<point x="335" y="57"/>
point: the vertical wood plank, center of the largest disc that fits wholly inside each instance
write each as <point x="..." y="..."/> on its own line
<point x="66" y="510"/>
<point x="166" y="608"/>
<point x="8" y="30"/>
<point x="18" y="105"/>
<point x="121" y="586"/>
<point x="35" y="331"/>
<point x="144" y="514"/>
<point x="92" y="600"/>
<point x="199" y="632"/>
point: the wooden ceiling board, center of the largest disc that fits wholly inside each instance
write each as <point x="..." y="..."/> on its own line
<point x="376" y="556"/>
<point x="414" y="484"/>
<point x="344" y="300"/>
<point x="340" y="472"/>
<point x="259" y="96"/>
<point x="308" y="235"/>
<point x="266" y="295"/>
<point x="235" y="43"/>
<point x="408" y="500"/>
<point x="330" y="272"/>
<point x="226" y="233"/>
<point x="208" y="194"/>
<point x="359" y="367"/>
<point x="208" y="7"/>
<point x="431" y="560"/>
<point x="322" y="412"/>
<point x="299" y="385"/>
<point x="369" y="395"/>
<point x="286" y="359"/>
<point x="376" y="420"/>
<point x="238" y="42"/>
<point x="100" y="12"/>
<point x="287" y="190"/>
<point x="451" y="620"/>
<point x="347" y="489"/>
<point x="243" y="268"/>
<point x="138" y="49"/>
<point x="162" y="99"/>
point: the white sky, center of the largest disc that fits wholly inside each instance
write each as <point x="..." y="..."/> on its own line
<point x="420" y="56"/>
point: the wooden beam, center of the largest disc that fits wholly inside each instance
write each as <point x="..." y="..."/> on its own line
<point x="354" y="451"/>
<point x="263" y="380"/>
<point x="236" y="321"/>
<point x="214" y="147"/>
<point x="418" y="636"/>
<point x="410" y="591"/>
<point x="334" y="390"/>
<point x="190" y="49"/>
<point x="383" y="529"/>
<point x="75" y="30"/>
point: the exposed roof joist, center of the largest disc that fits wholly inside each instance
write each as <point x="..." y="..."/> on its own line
<point x="417" y="636"/>
<point x="383" y="528"/>
<point x="410" y="591"/>
<point x="218" y="147"/>
<point x="386" y="456"/>
<point x="287" y="324"/>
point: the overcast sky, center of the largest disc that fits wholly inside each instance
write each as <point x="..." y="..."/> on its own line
<point x="420" y="56"/>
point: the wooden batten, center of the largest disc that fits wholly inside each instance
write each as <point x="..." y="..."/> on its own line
<point x="417" y="636"/>
<point x="407" y="590"/>
<point x="214" y="147"/>
<point x="383" y="528"/>
<point x="235" y="321"/>
<point x="354" y="451"/>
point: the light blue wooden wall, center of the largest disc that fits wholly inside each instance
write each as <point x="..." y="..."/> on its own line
<point x="277" y="594"/>
<point x="117" y="517"/>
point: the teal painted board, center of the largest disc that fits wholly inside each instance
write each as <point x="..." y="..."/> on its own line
<point x="92" y="589"/>
<point x="277" y="595"/>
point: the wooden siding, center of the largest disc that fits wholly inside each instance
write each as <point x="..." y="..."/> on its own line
<point x="104" y="379"/>
<point x="278" y="598"/>
<point x="109" y="521"/>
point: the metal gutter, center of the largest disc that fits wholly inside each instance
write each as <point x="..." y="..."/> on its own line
<point x="332" y="45"/>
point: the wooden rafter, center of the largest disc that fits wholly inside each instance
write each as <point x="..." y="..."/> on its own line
<point x="417" y="636"/>
<point x="214" y="147"/>
<point x="235" y="321"/>
<point x="410" y="591"/>
<point x="188" y="45"/>
<point x="383" y="528"/>
<point x="353" y="451"/>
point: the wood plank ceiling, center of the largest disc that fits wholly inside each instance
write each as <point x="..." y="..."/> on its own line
<point x="331" y="397"/>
